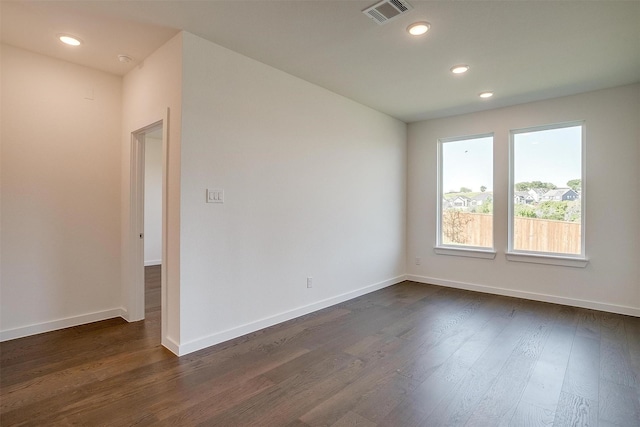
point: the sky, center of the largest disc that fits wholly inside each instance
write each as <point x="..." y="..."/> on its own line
<point x="549" y="156"/>
<point x="467" y="163"/>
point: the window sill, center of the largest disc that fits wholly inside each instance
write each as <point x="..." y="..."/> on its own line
<point x="465" y="252"/>
<point x="547" y="259"/>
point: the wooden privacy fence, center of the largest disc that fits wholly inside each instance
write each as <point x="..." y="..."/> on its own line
<point x="465" y="228"/>
<point x="530" y="234"/>
<point x="545" y="235"/>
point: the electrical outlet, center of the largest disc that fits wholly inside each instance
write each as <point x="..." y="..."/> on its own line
<point x="309" y="282"/>
<point x="418" y="261"/>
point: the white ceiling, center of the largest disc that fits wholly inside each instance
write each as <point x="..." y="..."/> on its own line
<point x="521" y="50"/>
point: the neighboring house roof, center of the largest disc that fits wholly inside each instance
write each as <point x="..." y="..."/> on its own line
<point x="524" y="197"/>
<point x="483" y="196"/>
<point x="459" y="201"/>
<point x="536" y="193"/>
<point x="558" y="192"/>
<point x="461" y="198"/>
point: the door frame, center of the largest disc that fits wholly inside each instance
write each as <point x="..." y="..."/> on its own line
<point x="135" y="273"/>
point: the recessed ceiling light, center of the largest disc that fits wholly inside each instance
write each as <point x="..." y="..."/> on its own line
<point x="124" y="58"/>
<point x="418" y="28"/>
<point x="485" y="94"/>
<point x="459" y="69"/>
<point x="70" y="40"/>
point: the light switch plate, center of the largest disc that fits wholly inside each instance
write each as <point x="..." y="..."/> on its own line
<point x="215" y="196"/>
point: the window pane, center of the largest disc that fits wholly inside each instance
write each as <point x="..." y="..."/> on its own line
<point x="547" y="192"/>
<point x="466" y="192"/>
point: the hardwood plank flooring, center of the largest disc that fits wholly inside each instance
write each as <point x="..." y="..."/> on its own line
<point x="407" y="355"/>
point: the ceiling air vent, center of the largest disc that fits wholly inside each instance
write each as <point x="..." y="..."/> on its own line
<point x="387" y="10"/>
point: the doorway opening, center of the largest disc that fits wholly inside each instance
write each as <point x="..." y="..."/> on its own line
<point x="152" y="222"/>
<point x="147" y="287"/>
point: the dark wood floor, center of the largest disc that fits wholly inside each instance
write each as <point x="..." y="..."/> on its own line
<point x="407" y="355"/>
<point x="152" y="291"/>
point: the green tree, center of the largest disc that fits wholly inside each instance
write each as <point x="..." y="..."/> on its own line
<point x="574" y="209"/>
<point x="465" y="190"/>
<point x="540" y="184"/>
<point x="575" y="184"/>
<point x="483" y="188"/>
<point x="486" y="207"/>
<point x="526" y="186"/>
<point x="525" y="211"/>
<point x="552" y="210"/>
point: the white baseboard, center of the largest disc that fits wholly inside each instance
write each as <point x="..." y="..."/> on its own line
<point x="171" y="345"/>
<point x="152" y="262"/>
<point x="67" y="322"/>
<point x="208" y="341"/>
<point x="611" y="308"/>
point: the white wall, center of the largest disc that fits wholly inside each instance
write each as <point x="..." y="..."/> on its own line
<point x="152" y="201"/>
<point x="314" y="186"/>
<point x="60" y="194"/>
<point x="148" y="91"/>
<point x="611" y="281"/>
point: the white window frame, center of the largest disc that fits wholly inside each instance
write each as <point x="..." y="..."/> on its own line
<point x="552" y="258"/>
<point x="460" y="250"/>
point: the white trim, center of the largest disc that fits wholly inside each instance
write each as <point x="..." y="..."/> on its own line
<point x="440" y="190"/>
<point x="574" y="302"/>
<point x="67" y="322"/>
<point x="164" y="268"/>
<point x="512" y="183"/>
<point x="171" y="345"/>
<point x="135" y="290"/>
<point x="134" y="261"/>
<point x="466" y="252"/>
<point x="153" y="262"/>
<point x="547" y="259"/>
<point x="247" y="328"/>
